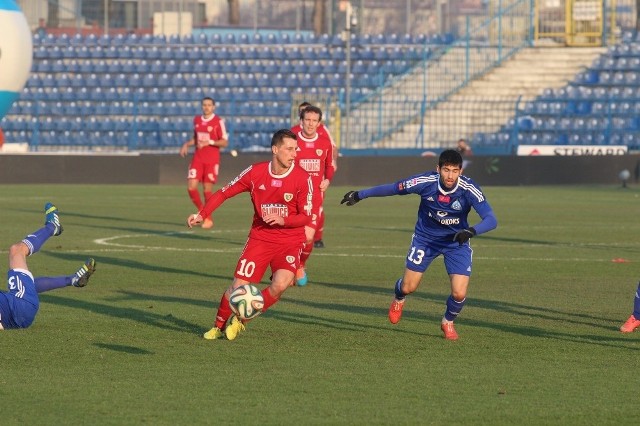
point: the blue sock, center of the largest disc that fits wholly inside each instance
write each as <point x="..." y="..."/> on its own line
<point x="453" y="308"/>
<point x="50" y="283"/>
<point x="36" y="240"/>
<point x="636" y="303"/>
<point x="398" y="290"/>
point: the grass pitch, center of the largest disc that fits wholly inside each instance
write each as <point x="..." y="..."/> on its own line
<point x="539" y="340"/>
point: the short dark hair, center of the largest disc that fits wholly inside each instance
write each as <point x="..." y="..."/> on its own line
<point x="208" y="98"/>
<point x="451" y="157"/>
<point x="278" y="137"/>
<point x="303" y="105"/>
<point x="311" y="108"/>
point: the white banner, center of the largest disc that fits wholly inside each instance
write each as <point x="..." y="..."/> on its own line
<point x="572" y="150"/>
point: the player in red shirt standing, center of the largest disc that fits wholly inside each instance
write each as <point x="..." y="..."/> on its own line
<point x="315" y="155"/>
<point x="209" y="135"/>
<point x="323" y="131"/>
<point x="283" y="199"/>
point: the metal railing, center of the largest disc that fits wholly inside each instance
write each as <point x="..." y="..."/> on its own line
<point x="394" y="110"/>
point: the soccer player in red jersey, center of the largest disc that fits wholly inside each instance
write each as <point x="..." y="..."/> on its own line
<point x="315" y="155"/>
<point x="323" y="131"/>
<point x="283" y="200"/>
<point x="209" y="135"/>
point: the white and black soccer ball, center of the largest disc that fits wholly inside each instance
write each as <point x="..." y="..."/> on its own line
<point x="246" y="301"/>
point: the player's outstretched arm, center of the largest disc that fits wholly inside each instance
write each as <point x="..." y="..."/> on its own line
<point x="350" y="198"/>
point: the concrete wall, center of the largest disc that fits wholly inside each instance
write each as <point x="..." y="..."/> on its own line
<point x="352" y="171"/>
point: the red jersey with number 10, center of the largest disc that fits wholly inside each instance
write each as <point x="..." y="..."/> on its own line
<point x="289" y="195"/>
<point x="204" y="131"/>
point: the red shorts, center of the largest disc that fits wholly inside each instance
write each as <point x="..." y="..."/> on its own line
<point x="203" y="171"/>
<point x="258" y="254"/>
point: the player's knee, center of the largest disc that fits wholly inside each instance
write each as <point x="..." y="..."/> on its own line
<point x="459" y="295"/>
<point x="18" y="249"/>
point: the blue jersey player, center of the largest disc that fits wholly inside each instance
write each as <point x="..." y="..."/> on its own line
<point x="633" y="321"/>
<point x="19" y="305"/>
<point x="446" y="198"/>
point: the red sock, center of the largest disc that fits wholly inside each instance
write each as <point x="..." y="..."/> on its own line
<point x="195" y="198"/>
<point x="320" y="229"/>
<point x="224" y="312"/>
<point x="207" y="195"/>
<point x="268" y="299"/>
<point x="306" y="252"/>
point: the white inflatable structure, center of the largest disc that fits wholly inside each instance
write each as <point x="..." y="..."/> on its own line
<point x="16" y="52"/>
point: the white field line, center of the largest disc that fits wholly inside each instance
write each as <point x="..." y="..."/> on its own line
<point x="115" y="244"/>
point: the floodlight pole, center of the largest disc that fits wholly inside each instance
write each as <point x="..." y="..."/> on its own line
<point x="106" y="17"/>
<point x="349" y="21"/>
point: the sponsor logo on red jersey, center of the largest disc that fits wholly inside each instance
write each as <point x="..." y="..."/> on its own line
<point x="310" y="165"/>
<point x="279" y="209"/>
<point x="276" y="183"/>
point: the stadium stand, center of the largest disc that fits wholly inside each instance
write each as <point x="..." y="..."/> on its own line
<point x="600" y="105"/>
<point x="138" y="82"/>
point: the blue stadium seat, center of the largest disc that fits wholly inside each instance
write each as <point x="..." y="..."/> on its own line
<point x="111" y="94"/>
<point x="631" y="78"/>
<point x="114" y="67"/>
<point x="315" y="67"/>
<point x="193" y="53"/>
<point x="335" y="80"/>
<point x="359" y="67"/>
<point x="151" y="53"/>
<point x="256" y="67"/>
<point x="178" y="80"/>
<point x="264" y="52"/>
<point x="295" y="53"/>
<point x="300" y="66"/>
<point x="606" y="77"/>
<point x="284" y="38"/>
<point x="192" y="80"/>
<point x="233" y="53"/>
<point x="171" y="66"/>
<point x="249" y="53"/>
<point x="208" y="53"/>
<point x="321" y="80"/>
<point x="583" y="108"/>
<point x="285" y="67"/>
<point x="279" y="53"/>
<point x="183" y="94"/>
<point x="365" y="53"/>
<point x="113" y="52"/>
<point x="628" y="94"/>
<point x="308" y="53"/>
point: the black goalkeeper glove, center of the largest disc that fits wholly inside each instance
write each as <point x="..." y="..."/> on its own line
<point x="463" y="236"/>
<point x="350" y="198"/>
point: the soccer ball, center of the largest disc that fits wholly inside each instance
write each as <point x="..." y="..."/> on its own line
<point x="246" y="301"/>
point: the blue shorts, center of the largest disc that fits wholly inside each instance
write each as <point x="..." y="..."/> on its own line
<point x="19" y="306"/>
<point x="457" y="258"/>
